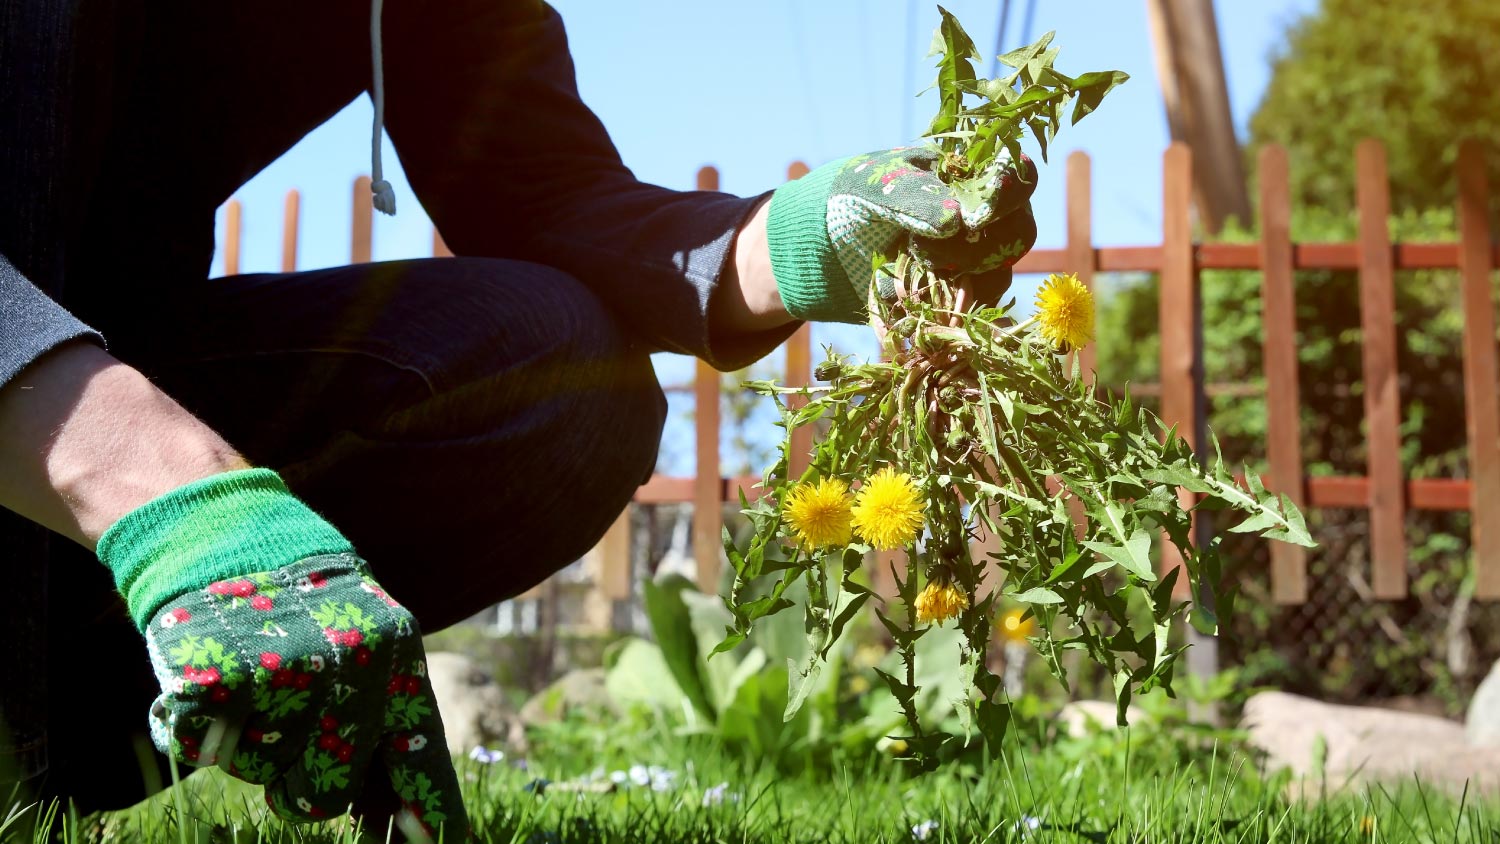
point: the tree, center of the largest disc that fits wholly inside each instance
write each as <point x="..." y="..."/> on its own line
<point x="1420" y="75"/>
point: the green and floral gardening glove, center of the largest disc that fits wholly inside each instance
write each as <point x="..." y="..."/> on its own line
<point x="280" y="659"/>
<point x="826" y="227"/>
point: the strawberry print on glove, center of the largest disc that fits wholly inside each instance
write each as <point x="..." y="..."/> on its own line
<point x="295" y="679"/>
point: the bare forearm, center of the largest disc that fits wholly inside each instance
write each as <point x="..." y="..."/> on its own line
<point x="749" y="300"/>
<point x="85" y="439"/>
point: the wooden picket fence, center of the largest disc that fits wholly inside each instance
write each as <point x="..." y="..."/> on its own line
<point x="1179" y="261"/>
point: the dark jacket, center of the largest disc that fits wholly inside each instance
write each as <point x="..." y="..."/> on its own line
<point x="125" y="124"/>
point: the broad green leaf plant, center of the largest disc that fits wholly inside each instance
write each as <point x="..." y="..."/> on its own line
<point x="973" y="424"/>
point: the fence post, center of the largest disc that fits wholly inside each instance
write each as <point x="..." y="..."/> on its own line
<point x="362" y="227"/>
<point x="1279" y="351"/>
<point x="708" y="488"/>
<point x="232" y="238"/>
<point x="610" y="570"/>
<point x="799" y="372"/>
<point x="1180" y="311"/>
<point x="1377" y="316"/>
<point x="1480" y="377"/>
<point x="290" y="218"/>
<point x="883" y="577"/>
<point x="1179" y="315"/>
<point x="1080" y="247"/>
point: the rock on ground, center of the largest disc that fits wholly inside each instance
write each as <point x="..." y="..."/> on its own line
<point x="1363" y="744"/>
<point x="472" y="704"/>
<point x="581" y="688"/>
<point x="1077" y="718"/>
<point x="1483" y="722"/>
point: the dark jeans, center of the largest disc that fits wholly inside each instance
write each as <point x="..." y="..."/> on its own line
<point x="471" y="424"/>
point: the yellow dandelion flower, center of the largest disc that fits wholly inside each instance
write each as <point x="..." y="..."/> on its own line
<point x="1366" y="825"/>
<point x="819" y="513"/>
<point x="888" y="510"/>
<point x="1015" y="626"/>
<point x="1065" y="309"/>
<point x="939" y="601"/>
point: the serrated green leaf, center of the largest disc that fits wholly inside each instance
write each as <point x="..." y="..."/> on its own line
<point x="956" y="52"/>
<point x="1038" y="595"/>
<point x="1099" y="566"/>
<point x="1131" y="549"/>
<point x="1091" y="88"/>
<point x="1122" y="697"/>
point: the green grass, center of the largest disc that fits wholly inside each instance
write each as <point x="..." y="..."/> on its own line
<point x="1151" y="788"/>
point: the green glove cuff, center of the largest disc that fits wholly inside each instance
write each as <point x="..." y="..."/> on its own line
<point x="220" y="527"/>
<point x="812" y="284"/>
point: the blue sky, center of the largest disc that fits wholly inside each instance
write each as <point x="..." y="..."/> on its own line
<point x="751" y="87"/>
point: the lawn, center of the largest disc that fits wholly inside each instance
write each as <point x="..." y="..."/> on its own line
<point x="644" y="781"/>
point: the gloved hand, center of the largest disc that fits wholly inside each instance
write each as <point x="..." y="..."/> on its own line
<point x="825" y="228"/>
<point x="280" y="658"/>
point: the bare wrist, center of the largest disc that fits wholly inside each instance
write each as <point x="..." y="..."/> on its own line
<point x="748" y="301"/>
<point x="85" y="439"/>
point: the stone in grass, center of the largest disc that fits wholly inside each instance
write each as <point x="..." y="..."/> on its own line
<point x="473" y="706"/>
<point x="1359" y="744"/>
<point x="1079" y="718"/>
<point x="1483" y="722"/>
<point x="579" y="689"/>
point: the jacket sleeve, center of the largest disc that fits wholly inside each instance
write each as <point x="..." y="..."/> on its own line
<point x="31" y="324"/>
<point x="483" y="107"/>
<point x="35" y="39"/>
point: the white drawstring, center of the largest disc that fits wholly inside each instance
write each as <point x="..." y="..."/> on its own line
<point x="385" y="196"/>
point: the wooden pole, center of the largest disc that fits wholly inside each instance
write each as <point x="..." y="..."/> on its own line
<point x="1377" y="312"/>
<point x="1481" y="381"/>
<point x="1190" y="66"/>
<point x="1279" y="351"/>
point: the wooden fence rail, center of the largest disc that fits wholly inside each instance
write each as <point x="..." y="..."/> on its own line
<point x="1179" y="261"/>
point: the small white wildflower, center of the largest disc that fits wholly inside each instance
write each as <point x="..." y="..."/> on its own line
<point x="662" y="779"/>
<point x="718" y="794"/>
<point x="923" y="829"/>
<point x="484" y="755"/>
<point x="654" y="777"/>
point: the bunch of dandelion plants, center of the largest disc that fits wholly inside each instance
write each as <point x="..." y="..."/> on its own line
<point x="973" y="425"/>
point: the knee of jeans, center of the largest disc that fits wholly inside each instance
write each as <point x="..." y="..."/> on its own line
<point x="574" y="469"/>
<point x="554" y="350"/>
